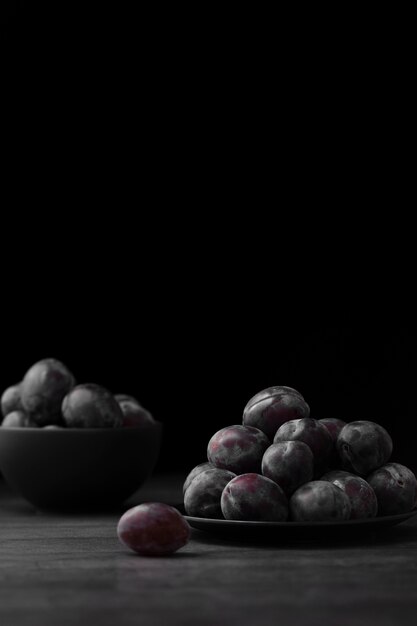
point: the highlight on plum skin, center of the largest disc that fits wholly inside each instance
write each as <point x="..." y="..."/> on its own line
<point x="195" y="472"/>
<point x="288" y="463"/>
<point x="238" y="449"/>
<point x="363" y="446"/>
<point x="272" y="407"/>
<point x="254" y="497"/>
<point x="319" y="501"/>
<point x="153" y="529"/>
<point x="363" y="500"/>
<point x="203" y="494"/>
<point x="395" y="486"/>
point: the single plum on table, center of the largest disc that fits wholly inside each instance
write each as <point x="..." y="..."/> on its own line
<point x="91" y="406"/>
<point x="395" y="486"/>
<point x="362" y="497"/>
<point x="273" y="406"/>
<point x="195" y="472"/>
<point x="153" y="529"/>
<point x="238" y="449"/>
<point x="134" y="414"/>
<point x="11" y="399"/>
<point x="319" y="501"/>
<point x="313" y="434"/>
<point x="202" y="496"/>
<point x="43" y="388"/>
<point x="363" y="446"/>
<point x="289" y="463"/>
<point x="18" y="419"/>
<point x="253" y="497"/>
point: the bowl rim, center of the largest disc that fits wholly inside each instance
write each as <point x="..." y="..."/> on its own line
<point x="155" y="425"/>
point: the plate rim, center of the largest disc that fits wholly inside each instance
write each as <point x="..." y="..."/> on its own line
<point x="398" y="517"/>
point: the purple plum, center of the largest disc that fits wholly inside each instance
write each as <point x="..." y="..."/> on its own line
<point x="202" y="497"/>
<point x="254" y="498"/>
<point x="238" y="449"/>
<point x="362" y="497"/>
<point x="395" y="487"/>
<point x="312" y="433"/>
<point x="273" y="406"/>
<point x="319" y="501"/>
<point x="11" y="399"/>
<point x="91" y="406"/>
<point x="363" y="446"/>
<point x="153" y="529"/>
<point x="134" y="414"/>
<point x="289" y="463"/>
<point x="43" y="388"/>
<point x="195" y="472"/>
<point x="333" y="425"/>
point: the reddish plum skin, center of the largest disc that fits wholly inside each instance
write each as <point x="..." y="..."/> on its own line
<point x="253" y="497"/>
<point x="313" y="434"/>
<point x="43" y="388"/>
<point x="363" y="446"/>
<point x="134" y="414"/>
<point x="319" y="501"/>
<point x="289" y="463"/>
<point x="202" y="497"/>
<point x="362" y="497"/>
<point x="18" y="419"/>
<point x="270" y="408"/>
<point x="238" y="449"/>
<point x="395" y="486"/>
<point x="153" y="529"/>
<point x="333" y="425"/>
<point x="195" y="472"/>
<point x="11" y="399"/>
<point x="91" y="406"/>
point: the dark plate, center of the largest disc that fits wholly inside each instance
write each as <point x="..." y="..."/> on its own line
<point x="280" y="530"/>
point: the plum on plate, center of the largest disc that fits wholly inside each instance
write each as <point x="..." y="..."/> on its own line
<point x="319" y="501"/>
<point x="395" y="486"/>
<point x="289" y="463"/>
<point x="363" y="446"/>
<point x="91" y="406"/>
<point x="195" y="472"/>
<point x="153" y="529"/>
<point x="273" y="406"/>
<point x="134" y="414"/>
<point x="255" y="498"/>
<point x="362" y="497"/>
<point x="238" y="449"/>
<point x="202" y="496"/>
<point x="313" y="434"/>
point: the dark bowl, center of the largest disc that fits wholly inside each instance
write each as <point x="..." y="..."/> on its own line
<point x="78" y="468"/>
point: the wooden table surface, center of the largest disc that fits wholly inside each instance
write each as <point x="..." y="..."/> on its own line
<point x="61" y="570"/>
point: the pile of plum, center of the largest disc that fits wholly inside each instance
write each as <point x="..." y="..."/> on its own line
<point x="281" y="465"/>
<point x="49" y="397"/>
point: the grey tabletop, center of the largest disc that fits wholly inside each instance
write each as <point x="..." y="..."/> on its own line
<point x="59" y="570"/>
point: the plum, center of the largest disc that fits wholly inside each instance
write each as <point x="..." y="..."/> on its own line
<point x="134" y="414"/>
<point x="238" y="449"/>
<point x="11" y="399"/>
<point x="43" y="388"/>
<point x="153" y="529"/>
<point x="18" y="419"/>
<point x="333" y="425"/>
<point x="395" y="487"/>
<point x="202" y="497"/>
<point x="91" y="406"/>
<point x="312" y="433"/>
<point x="363" y="446"/>
<point x="362" y="497"/>
<point x="319" y="501"/>
<point x="254" y="498"/>
<point x="195" y="472"/>
<point x="273" y="406"/>
<point x="289" y="463"/>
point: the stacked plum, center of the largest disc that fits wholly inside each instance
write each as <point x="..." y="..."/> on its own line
<point x="282" y="465"/>
<point x="49" y="397"/>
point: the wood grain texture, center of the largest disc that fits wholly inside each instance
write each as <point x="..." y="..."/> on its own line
<point x="65" y="570"/>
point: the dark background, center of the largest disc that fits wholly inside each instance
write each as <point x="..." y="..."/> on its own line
<point x="192" y="214"/>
